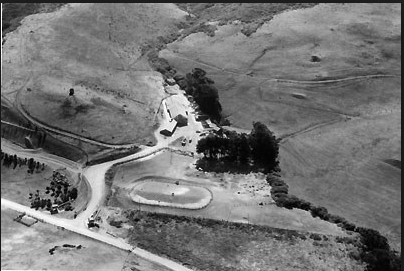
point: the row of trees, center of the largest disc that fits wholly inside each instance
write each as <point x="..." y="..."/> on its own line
<point x="260" y="147"/>
<point x="375" y="250"/>
<point x="14" y="160"/>
<point x="204" y="93"/>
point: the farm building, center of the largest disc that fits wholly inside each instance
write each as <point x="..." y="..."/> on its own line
<point x="181" y="120"/>
<point x="178" y="105"/>
<point x="169" y="128"/>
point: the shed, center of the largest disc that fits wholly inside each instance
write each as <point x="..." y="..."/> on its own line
<point x="169" y="128"/>
<point x="177" y="105"/>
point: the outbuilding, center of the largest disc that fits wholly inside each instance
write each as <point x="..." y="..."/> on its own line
<point x="169" y="128"/>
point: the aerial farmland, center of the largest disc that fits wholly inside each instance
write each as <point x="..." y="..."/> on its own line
<point x="201" y="136"/>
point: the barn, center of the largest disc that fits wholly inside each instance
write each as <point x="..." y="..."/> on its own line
<point x="169" y="128"/>
<point x="177" y="106"/>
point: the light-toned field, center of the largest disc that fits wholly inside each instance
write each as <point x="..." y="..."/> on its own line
<point x="163" y="192"/>
<point x="99" y="50"/>
<point x="342" y="168"/>
<point x="351" y="40"/>
<point x="27" y="248"/>
<point x="340" y="131"/>
<point x="18" y="183"/>
<point x="226" y="204"/>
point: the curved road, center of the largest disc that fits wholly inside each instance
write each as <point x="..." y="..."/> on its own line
<point x="95" y="176"/>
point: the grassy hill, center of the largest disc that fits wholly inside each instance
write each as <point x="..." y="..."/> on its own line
<point x="341" y="131"/>
<point x="99" y="50"/>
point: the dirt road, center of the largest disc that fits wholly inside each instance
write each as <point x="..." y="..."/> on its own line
<point x="95" y="176"/>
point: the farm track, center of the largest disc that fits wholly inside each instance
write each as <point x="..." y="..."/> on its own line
<point x="16" y="125"/>
<point x="310" y="128"/>
<point x="95" y="177"/>
<point x="60" y="131"/>
<point x="299" y="82"/>
<point x="280" y="80"/>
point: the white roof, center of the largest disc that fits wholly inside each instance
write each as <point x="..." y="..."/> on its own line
<point x="177" y="104"/>
<point x="169" y="126"/>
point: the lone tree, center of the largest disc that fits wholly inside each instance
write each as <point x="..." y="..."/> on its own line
<point x="71" y="92"/>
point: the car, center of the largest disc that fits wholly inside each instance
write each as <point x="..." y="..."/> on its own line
<point x="190" y="140"/>
<point x="183" y="142"/>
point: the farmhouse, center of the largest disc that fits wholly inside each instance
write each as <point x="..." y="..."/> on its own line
<point x="177" y="108"/>
<point x="169" y="128"/>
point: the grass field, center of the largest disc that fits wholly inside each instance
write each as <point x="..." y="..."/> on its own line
<point x="341" y="132"/>
<point x="97" y="49"/>
<point x="343" y="169"/>
<point x="212" y="245"/>
<point x="51" y="145"/>
<point x="27" y="248"/>
<point x="13" y="13"/>
<point x="18" y="183"/>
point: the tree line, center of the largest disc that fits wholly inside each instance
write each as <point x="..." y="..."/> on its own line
<point x="14" y="160"/>
<point x="375" y="251"/>
<point x="205" y="94"/>
<point x="259" y="148"/>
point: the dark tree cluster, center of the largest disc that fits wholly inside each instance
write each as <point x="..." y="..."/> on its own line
<point x="205" y="94"/>
<point x="259" y="148"/>
<point x="376" y="252"/>
<point x="14" y="160"/>
<point x="60" y="192"/>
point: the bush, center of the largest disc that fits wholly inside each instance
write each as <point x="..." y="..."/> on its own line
<point x="279" y="189"/>
<point x="116" y="223"/>
<point x="320" y="212"/>
<point x="315" y="237"/>
<point x="372" y="239"/>
<point x="274" y="181"/>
